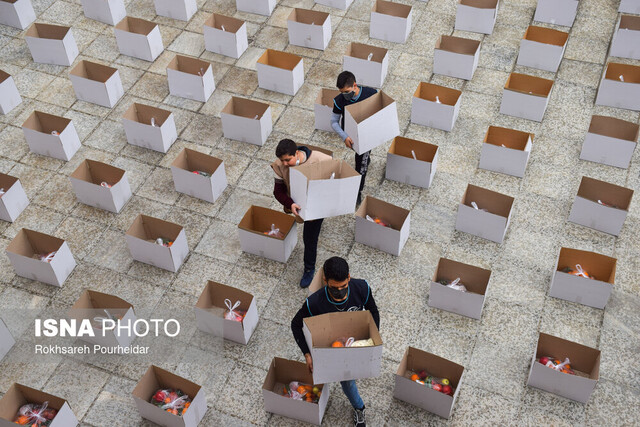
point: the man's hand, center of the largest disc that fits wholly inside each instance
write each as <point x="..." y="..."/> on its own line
<point x="348" y="142"/>
<point x="295" y="209"/>
<point x="309" y="362"/>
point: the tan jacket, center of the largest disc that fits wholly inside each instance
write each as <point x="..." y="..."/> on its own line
<point x="283" y="171"/>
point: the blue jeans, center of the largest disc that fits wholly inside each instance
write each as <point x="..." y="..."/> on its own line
<point x="351" y="391"/>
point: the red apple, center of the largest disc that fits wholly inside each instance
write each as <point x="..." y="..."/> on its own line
<point x="544" y="360"/>
<point x="422" y="375"/>
<point x="446" y="389"/>
<point x="436" y="387"/>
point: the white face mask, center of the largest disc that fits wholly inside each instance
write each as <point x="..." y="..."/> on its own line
<point x="297" y="162"/>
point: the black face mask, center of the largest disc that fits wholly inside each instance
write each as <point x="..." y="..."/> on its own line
<point x="348" y="95"/>
<point x="338" y="294"/>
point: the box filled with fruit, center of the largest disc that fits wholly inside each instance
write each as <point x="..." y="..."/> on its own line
<point x="443" y="385"/>
<point x="35" y="415"/>
<point x="299" y="391"/>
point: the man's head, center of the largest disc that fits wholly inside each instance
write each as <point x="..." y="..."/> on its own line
<point x="347" y="84"/>
<point x="286" y="151"/>
<point x="336" y="276"/>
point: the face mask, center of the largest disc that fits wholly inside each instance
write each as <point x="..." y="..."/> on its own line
<point x="297" y="162"/>
<point x="338" y="294"/>
<point x="348" y="95"/>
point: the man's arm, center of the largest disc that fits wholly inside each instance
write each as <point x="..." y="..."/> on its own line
<point x="296" y="328"/>
<point x="280" y="193"/>
<point x="372" y="307"/>
<point x="335" y="125"/>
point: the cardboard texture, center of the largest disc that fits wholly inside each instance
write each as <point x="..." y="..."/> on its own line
<point x="628" y="6"/>
<point x="526" y="96"/>
<point x="207" y="188"/>
<point x="390" y="21"/>
<point x="610" y="141"/>
<point x="309" y="28"/>
<point x="491" y="225"/>
<point x="96" y="83"/>
<point x="323" y="108"/>
<point x="246" y="120"/>
<point x="346" y="363"/>
<point x="259" y="7"/>
<point x="369" y="72"/>
<point x="280" y="72"/>
<point x="86" y="181"/>
<point x="318" y="195"/>
<point x="438" y="403"/>
<point x="17" y="13"/>
<point x="51" y="135"/>
<point x="182" y="10"/>
<point x="542" y="48"/>
<point x="190" y="78"/>
<point x="403" y="167"/>
<point x="19" y="395"/>
<point x="139" y="38"/>
<point x="620" y="87"/>
<point x="387" y="239"/>
<point x="28" y="243"/>
<point x="225" y="35"/>
<point x="9" y="96"/>
<point x="478" y="16"/>
<point x="626" y="38"/>
<point x="137" y="123"/>
<point x="456" y="57"/>
<point x="51" y="44"/>
<point x="475" y="279"/>
<point x="435" y="106"/>
<point x="588" y="212"/>
<point x="371" y="122"/>
<point x="156" y="378"/>
<point x="338" y="4"/>
<point x="584" y="359"/>
<point x="558" y="12"/>
<point x="506" y="151"/>
<point x="109" y="12"/>
<point x="6" y="340"/>
<point x="14" y="199"/>
<point x="281" y="372"/>
<point x="141" y="238"/>
<point x="211" y="307"/>
<point x="258" y="220"/>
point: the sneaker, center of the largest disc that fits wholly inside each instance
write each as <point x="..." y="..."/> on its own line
<point x="358" y="417"/>
<point x="307" y="277"/>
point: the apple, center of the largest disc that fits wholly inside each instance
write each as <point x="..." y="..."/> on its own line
<point x="422" y="375"/>
<point x="544" y="360"/>
<point x="446" y="389"/>
<point x="436" y="387"/>
<point x="316" y="390"/>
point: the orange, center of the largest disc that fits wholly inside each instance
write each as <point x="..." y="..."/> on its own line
<point x="337" y="344"/>
<point x="300" y="389"/>
<point x="415" y="377"/>
<point x="307" y="387"/>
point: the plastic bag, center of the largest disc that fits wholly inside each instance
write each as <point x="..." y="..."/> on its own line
<point x="378" y="221"/>
<point x="578" y="272"/>
<point x="363" y="343"/>
<point x="600" y="202"/>
<point x="46" y="257"/>
<point x="455" y="284"/>
<point x="98" y="321"/>
<point x="2" y="192"/>
<point x="299" y="391"/>
<point x="34" y="414"/>
<point x="274" y="232"/>
<point x="105" y="184"/>
<point x="554" y="363"/>
<point x="474" y="205"/>
<point x="164" y="242"/>
<point x="343" y="342"/>
<point x="232" y="313"/>
<point x="201" y="173"/>
<point x="438" y="384"/>
<point x="172" y="400"/>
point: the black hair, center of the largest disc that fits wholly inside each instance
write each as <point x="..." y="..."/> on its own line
<point x="286" y="146"/>
<point x="336" y="268"/>
<point x="345" y="79"/>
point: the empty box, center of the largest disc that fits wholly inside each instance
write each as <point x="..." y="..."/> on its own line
<point x="526" y="96"/>
<point x="610" y="141"/>
<point x="143" y="237"/>
<point x="51" y="44"/>
<point x="16" y="13"/>
<point x="182" y="10"/>
<point x="490" y="216"/>
<point x="391" y="238"/>
<point x="620" y="87"/>
<point x="371" y="122"/>
<point x="627" y="6"/>
<point x="411" y="162"/>
<point x="506" y="151"/>
<point x="254" y="229"/>
<point x="323" y="108"/>
<point x="51" y="135"/>
<point x="96" y="83"/>
<point x="309" y="28"/>
<point x="6" y="340"/>
<point x="101" y="185"/>
<point x="478" y="16"/>
<point x="225" y="35"/>
<point x="13" y="199"/>
<point x="149" y="127"/>
<point x="339" y="4"/>
<point x="542" y="48"/>
<point x="435" y="106"/>
<point x="558" y="12"/>
<point x="190" y="78"/>
<point x="107" y="11"/>
<point x="626" y="38"/>
<point x="259" y="7"/>
<point x="139" y="38"/>
<point x="19" y="395"/>
<point x="246" y="120"/>
<point x="456" y="57"/>
<point x="368" y="63"/>
<point x="9" y="95"/>
<point x="390" y="21"/>
<point x="187" y="174"/>
<point x="280" y="72"/>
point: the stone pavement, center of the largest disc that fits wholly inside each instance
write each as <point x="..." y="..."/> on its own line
<point x="496" y="351"/>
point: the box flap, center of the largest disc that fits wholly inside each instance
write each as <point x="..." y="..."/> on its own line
<point x="362" y="51"/>
<point x="93" y="71"/>
<point x="458" y="45"/>
<point x="406" y="147"/>
<point x="429" y="91"/>
<point x="366" y="108"/>
<point x="480" y="4"/>
<point x="494" y="202"/>
<point x="98" y="172"/>
<point x="136" y="25"/>
<point x="510" y="138"/>
<point x="148" y="228"/>
<point x="630" y="22"/>
<point x="306" y="16"/>
<point x="47" y="31"/>
<point x="614" y="128"/>
<point x="28" y="243"/>
<point x="46" y="123"/>
<point x="529" y="84"/>
<point x="189" y="65"/>
<point x="584" y="359"/>
<point x="215" y="293"/>
<point x="546" y="35"/>
<point x="393" y="9"/>
<point x="325" y="97"/>
<point x="231" y="25"/>
<point x="326" y="328"/>
<point x="278" y="59"/>
<point x="600" y="266"/>
<point x="475" y="279"/>
<point x="156" y="378"/>
<point x="629" y="73"/>
<point x="376" y="208"/>
<point x="258" y="220"/>
<point x="611" y="194"/>
<point x="245" y="108"/>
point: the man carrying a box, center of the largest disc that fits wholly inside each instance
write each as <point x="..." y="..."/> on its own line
<point x="339" y="293"/>
<point x="350" y="93"/>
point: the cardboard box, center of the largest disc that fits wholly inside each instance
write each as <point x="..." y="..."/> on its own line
<point x="14" y="199"/>
<point x="371" y="122"/>
<point x="51" y="135"/>
<point x="156" y="378"/>
<point x="416" y="360"/>
<point x="98" y="308"/>
<point x="141" y="239"/>
<point x="6" y="340"/>
<point x="51" y="44"/>
<point x="246" y="120"/>
<point x="402" y="166"/>
<point x="456" y="57"/>
<point x="620" y="87"/>
<point x="258" y="220"/>
<point x="506" y="151"/>
<point x="626" y="38"/>
<point x="320" y="196"/>
<point x="281" y="373"/>
<point x="9" y="95"/>
<point x="280" y="72"/>
<point x="478" y="16"/>
<point x="435" y="106"/>
<point x="207" y="188"/>
<point x="387" y="239"/>
<point x="182" y="10"/>
<point x="610" y="141"/>
<point x="139" y="38"/>
<point x="368" y="63"/>
<point x="390" y="21"/>
<point x="583" y="359"/>
<point x="490" y="224"/>
<point x="28" y="243"/>
<point x="16" y="13"/>
<point x="107" y="11"/>
<point x="628" y="6"/>
<point x="558" y="12"/>
<point x="608" y="217"/>
<point x="526" y="96"/>
<point x="211" y="307"/>
<point x="338" y="4"/>
<point x="309" y="28"/>
<point x="86" y="181"/>
<point x="19" y="395"/>
<point x="469" y="303"/>
<point x="346" y="363"/>
<point x="157" y="135"/>
<point x="542" y="48"/>
<point x="259" y="7"/>
<point x="225" y="35"/>
<point x="323" y="108"/>
<point x="190" y="78"/>
<point x="96" y="83"/>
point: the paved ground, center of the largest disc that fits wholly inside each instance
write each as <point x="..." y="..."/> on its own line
<point x="496" y="351"/>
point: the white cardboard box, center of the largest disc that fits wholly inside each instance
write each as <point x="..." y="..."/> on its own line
<point x="17" y="13"/>
<point x="456" y="57"/>
<point x="478" y="16"/>
<point x="610" y="141"/>
<point x="323" y="108"/>
<point x="28" y="243"/>
<point x="387" y="239"/>
<point x="390" y="21"/>
<point x="225" y="35"/>
<point x="14" y="199"/>
<point x="309" y="28"/>
<point x="149" y="127"/>
<point x="526" y="96"/>
<point x="371" y="122"/>
<point x="607" y="216"/>
<point x="628" y="6"/>
<point x="87" y="181"/>
<point x="402" y="166"/>
<point x="141" y="239"/>
<point x="368" y="63"/>
<point x="558" y="12"/>
<point x="620" y="87"/>
<point x="51" y="44"/>
<point x="506" y="151"/>
<point x="246" y="120"/>
<point x="139" y="38"/>
<point x="338" y="4"/>
<point x="9" y="95"/>
<point x="96" y="83"/>
<point x="19" y="395"/>
<point x="182" y="10"/>
<point x="51" y="135"/>
<point x="259" y="7"/>
<point x="258" y="220"/>
<point x="207" y="188"/>
<point x="492" y="224"/>
<point x="6" y="340"/>
<point x="190" y="78"/>
<point x="280" y="72"/>
<point x="626" y="38"/>
<point x="435" y="106"/>
<point x="107" y="11"/>
<point x="542" y="48"/>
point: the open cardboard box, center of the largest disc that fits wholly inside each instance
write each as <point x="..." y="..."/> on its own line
<point x="19" y="395"/>
<point x="610" y="141"/>
<point x="371" y="122"/>
<point x="225" y="35"/>
<point x="506" y="151"/>
<point x="435" y="106"/>
<point x="368" y="63"/>
<point x="6" y="340"/>
<point x="96" y="83"/>
<point x="387" y="239"/>
<point x="390" y="21"/>
<point x="558" y="12"/>
<point x="14" y="199"/>
<point x="309" y="28"/>
<point x="338" y="4"/>
<point x="139" y="38"/>
<point x="86" y="181"/>
<point x="608" y="217"/>
<point x="585" y="360"/>
<point x="492" y="224"/>
<point x="620" y="87"/>
<point x="478" y="16"/>
<point x="258" y="220"/>
<point x="542" y="48"/>
<point x="9" y="95"/>
<point x="207" y="188"/>
<point x="280" y="72"/>
<point x="140" y="130"/>
<point x="51" y="44"/>
<point x="259" y="7"/>
<point x="190" y="78"/>
<point x="181" y="10"/>
<point x="17" y="13"/>
<point x="246" y="120"/>
<point x="323" y="108"/>
<point x="626" y="38"/>
<point x="345" y="363"/>
<point x="627" y="6"/>
<point x="141" y="238"/>
<point x="109" y="12"/>
<point x="51" y="135"/>
<point x="456" y="57"/>
<point x="403" y="167"/>
<point x="526" y="96"/>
